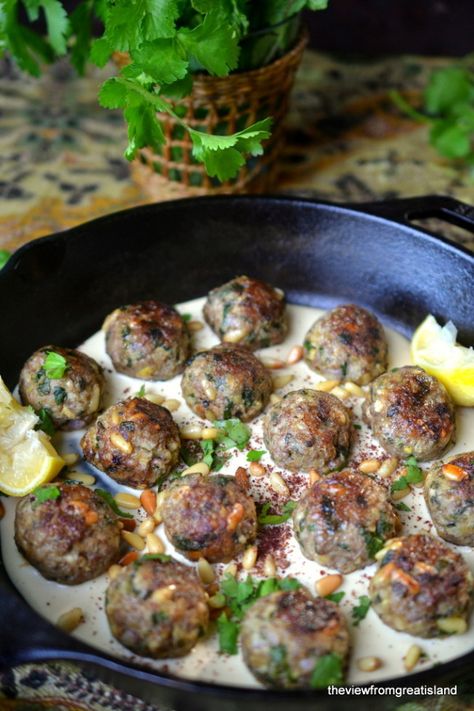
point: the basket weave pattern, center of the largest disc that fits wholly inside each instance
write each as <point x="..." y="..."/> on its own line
<point x="221" y="105"/>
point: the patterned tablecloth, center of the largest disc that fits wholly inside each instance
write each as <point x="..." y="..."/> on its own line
<point x="61" y="164"/>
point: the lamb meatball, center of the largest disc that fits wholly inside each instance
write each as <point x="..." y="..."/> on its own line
<point x="148" y="340"/>
<point x="422" y="587"/>
<point x="285" y="634"/>
<point x="157" y="607"/>
<point x="343" y="520"/>
<point x="67" y="532"/>
<point x="308" y="429"/>
<point x="410" y="413"/>
<point x="247" y="311"/>
<point x="226" y="381"/>
<point x="347" y="343"/>
<point x="135" y="442"/>
<point x="208" y="517"/>
<point x="73" y="398"/>
<point x="449" y="495"/>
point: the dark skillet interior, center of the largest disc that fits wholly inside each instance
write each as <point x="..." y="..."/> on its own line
<point x="58" y="290"/>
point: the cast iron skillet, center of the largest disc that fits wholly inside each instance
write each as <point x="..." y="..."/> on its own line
<point x="59" y="289"/>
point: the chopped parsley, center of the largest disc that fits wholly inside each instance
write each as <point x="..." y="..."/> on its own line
<point x="55" y="365"/>
<point x="109" y="499"/>
<point x="45" y="422"/>
<point x="46" y="493"/>
<point x="255" y="455"/>
<point x="327" y="671"/>
<point x="335" y="596"/>
<point x="359" y="612"/>
<point x="267" y="519"/>
<point x="414" y="475"/>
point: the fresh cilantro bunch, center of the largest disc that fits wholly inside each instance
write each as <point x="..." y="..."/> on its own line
<point x="167" y="41"/>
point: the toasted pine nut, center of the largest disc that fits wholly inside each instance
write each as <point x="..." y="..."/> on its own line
<point x="274" y="398"/>
<point x="339" y="392"/>
<point x="2" y="510"/>
<point x="389" y="545"/>
<point x="412" y="657"/>
<point x="281" y="380"/>
<point x="114" y="570"/>
<point x="146" y="526"/>
<point x="269" y="566"/>
<point x="397" y="495"/>
<point x="195" y="325"/>
<point x="314" y="476"/>
<point x="82" y="477"/>
<point x="209" y="432"/>
<point x="162" y="595"/>
<point x="216" y="601"/>
<point x="295" y="355"/>
<point x="114" y="416"/>
<point x="154" y="543"/>
<point x="257" y="469"/>
<point x="121" y="443"/>
<point x="134" y="540"/>
<point x="70" y="458"/>
<point x="326" y="386"/>
<point x="128" y="558"/>
<point x="148" y="501"/>
<point x="234" y="336"/>
<point x="369" y="664"/>
<point x="191" y="432"/>
<point x="108" y="319"/>
<point x="387" y="467"/>
<point x="198" y="468"/>
<point x="354" y="389"/>
<point x="145" y="372"/>
<point x="231" y="569"/>
<point x="452" y="625"/>
<point x="249" y="558"/>
<point x="369" y="466"/>
<point x="278" y="484"/>
<point x="127" y="501"/>
<point x="156" y="398"/>
<point x="171" y="404"/>
<point x="328" y="584"/>
<point x="273" y="363"/>
<point x="71" y="619"/>
<point x="452" y="472"/>
<point x="205" y="571"/>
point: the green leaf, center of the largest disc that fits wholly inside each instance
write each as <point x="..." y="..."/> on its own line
<point x="4" y="257"/>
<point x="234" y="432"/>
<point x="451" y="139"/>
<point x="328" y="671"/>
<point x="214" y="43"/>
<point x="359" y="612"/>
<point x="228" y="631"/>
<point x="81" y="29"/>
<point x="141" y="392"/>
<point x="45" y="422"/>
<point x="161" y="61"/>
<point x="373" y="543"/>
<point x="446" y="88"/>
<point x="109" y="499"/>
<point x="414" y="475"/>
<point x="266" y="519"/>
<point x="113" y="94"/>
<point x="162" y="557"/>
<point x="57" y="23"/>
<point x="46" y="493"/>
<point x="335" y="596"/>
<point x="55" y="365"/>
<point x="402" y="507"/>
<point x="144" y="129"/>
<point x="255" y="455"/>
<point x="100" y="53"/>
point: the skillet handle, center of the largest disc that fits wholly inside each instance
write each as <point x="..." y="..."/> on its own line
<point x="406" y="209"/>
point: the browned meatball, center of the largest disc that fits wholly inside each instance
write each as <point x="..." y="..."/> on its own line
<point x="208" y="517"/>
<point x="284" y="636"/>
<point x="135" y="442"/>
<point x="410" y="413"/>
<point x="343" y="520"/>
<point x="347" y="343"/>
<point x="226" y="381"/>
<point x="71" y="399"/>
<point x="67" y="532"/>
<point x="308" y="429"/>
<point x="449" y="494"/>
<point x="157" y="607"/>
<point x="422" y="587"/>
<point x="148" y="340"/>
<point x="247" y="311"/>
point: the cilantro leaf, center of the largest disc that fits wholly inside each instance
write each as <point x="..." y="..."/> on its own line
<point x="413" y="475"/>
<point x="55" y="365"/>
<point x="228" y="631"/>
<point x="141" y="392"/>
<point x="56" y="21"/>
<point x="162" y="557"/>
<point x="234" y="433"/>
<point x="109" y="499"/>
<point x="360" y="611"/>
<point x="4" y="257"/>
<point x="267" y="519"/>
<point x="402" y="507"/>
<point x="447" y="87"/>
<point x="45" y="422"/>
<point x="171" y="68"/>
<point x="46" y="493"/>
<point x="214" y="43"/>
<point x="327" y="671"/>
<point x="335" y="596"/>
<point x="255" y="455"/>
<point x="373" y="543"/>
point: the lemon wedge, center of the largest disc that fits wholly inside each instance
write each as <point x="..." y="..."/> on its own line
<point x="27" y="457"/>
<point x="434" y="348"/>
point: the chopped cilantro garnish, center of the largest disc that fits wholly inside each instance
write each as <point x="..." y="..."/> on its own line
<point x="327" y="671"/>
<point x="373" y="543"/>
<point x="360" y="611"/>
<point x="46" y="493"/>
<point x="55" y="365"/>
<point x="162" y="557"/>
<point x="228" y="631"/>
<point x="402" y="507"/>
<point x="255" y="455"/>
<point x="414" y="475"/>
<point x="357" y="426"/>
<point x="234" y="433"/>
<point x="45" y="422"/>
<point x="109" y="499"/>
<point x="141" y="392"/>
<point x="267" y="519"/>
<point x="186" y="317"/>
<point x="335" y="596"/>
<point x="344" y="369"/>
<point x="4" y="257"/>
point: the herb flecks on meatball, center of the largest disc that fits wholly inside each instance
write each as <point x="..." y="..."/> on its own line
<point x="208" y="517"/>
<point x="156" y="607"/>
<point x="284" y="635"/>
<point x="308" y="429"/>
<point x="247" y="311"/>
<point x="422" y="587"/>
<point x="347" y="343"/>
<point x="67" y="532"/>
<point x="66" y="383"/>
<point x="148" y="340"/>
<point x="226" y="381"/>
<point x="449" y="495"/>
<point x="411" y="413"/>
<point x="343" y="520"/>
<point x="136" y="442"/>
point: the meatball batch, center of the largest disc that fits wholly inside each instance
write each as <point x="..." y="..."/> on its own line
<point x="134" y="441"/>
<point x="67" y="532"/>
<point x="285" y="634"/>
<point x="226" y="381"/>
<point x="308" y="429"/>
<point x="208" y="517"/>
<point x="410" y="413"/>
<point x="65" y="382"/>
<point x="157" y="607"/>
<point x="148" y="340"/>
<point x="343" y="520"/>
<point x="422" y="587"/>
<point x="247" y="311"/>
<point x="449" y="495"/>
<point x="347" y="343"/>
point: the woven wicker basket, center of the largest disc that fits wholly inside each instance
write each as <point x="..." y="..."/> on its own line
<point x="223" y="106"/>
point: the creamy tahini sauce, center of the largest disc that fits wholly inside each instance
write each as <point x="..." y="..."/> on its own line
<point x="371" y="637"/>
